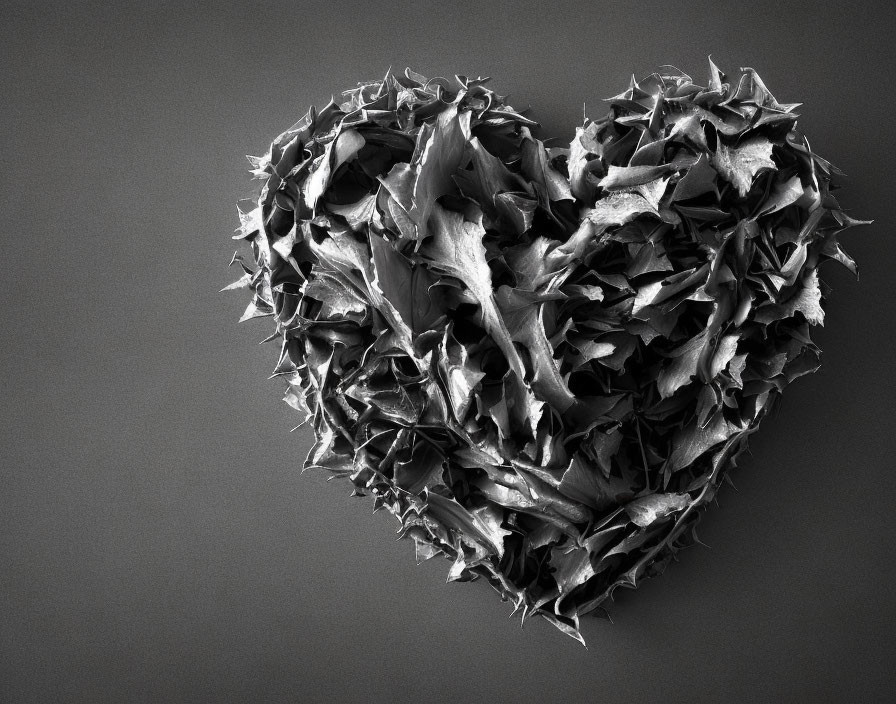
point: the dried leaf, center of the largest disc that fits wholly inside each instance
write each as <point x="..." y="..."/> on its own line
<point x="645" y="510"/>
<point x="739" y="165"/>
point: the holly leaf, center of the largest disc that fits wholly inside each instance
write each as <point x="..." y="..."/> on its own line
<point x="440" y="157"/>
<point x="469" y="525"/>
<point x="342" y="149"/>
<point x="523" y="316"/>
<point x="646" y="510"/>
<point x="739" y="165"/>
<point x="692" y="441"/>
<point x="806" y="299"/>
<point x="456" y="248"/>
<point x="683" y="366"/>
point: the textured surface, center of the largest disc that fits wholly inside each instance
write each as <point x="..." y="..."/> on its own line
<point x="543" y="361"/>
<point x="159" y="541"/>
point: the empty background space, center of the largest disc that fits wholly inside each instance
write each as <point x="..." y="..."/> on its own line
<point x="158" y="541"/>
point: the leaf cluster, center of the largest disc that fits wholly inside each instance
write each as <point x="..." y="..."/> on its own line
<point x="542" y="360"/>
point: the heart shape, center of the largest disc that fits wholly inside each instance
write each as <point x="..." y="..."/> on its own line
<point x="541" y="360"/>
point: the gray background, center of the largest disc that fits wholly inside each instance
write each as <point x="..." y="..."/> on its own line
<point x="158" y="541"/>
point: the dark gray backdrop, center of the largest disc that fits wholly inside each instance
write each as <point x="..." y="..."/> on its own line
<point x="158" y="541"/>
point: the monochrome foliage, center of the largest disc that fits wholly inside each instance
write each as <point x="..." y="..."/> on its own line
<point x="541" y="360"/>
